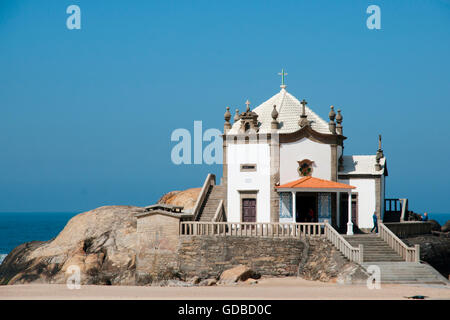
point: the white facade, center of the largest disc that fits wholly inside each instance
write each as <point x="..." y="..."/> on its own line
<point x="314" y="140"/>
<point x="365" y="190"/>
<point x="257" y="181"/>
<point x="291" y="153"/>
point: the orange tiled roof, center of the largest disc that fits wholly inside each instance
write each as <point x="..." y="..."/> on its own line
<point x="315" y="183"/>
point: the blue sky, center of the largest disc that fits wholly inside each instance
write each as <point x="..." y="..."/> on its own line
<point x="86" y="115"/>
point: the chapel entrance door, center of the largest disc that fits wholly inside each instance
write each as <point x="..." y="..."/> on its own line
<point x="248" y="210"/>
<point x="306" y="207"/>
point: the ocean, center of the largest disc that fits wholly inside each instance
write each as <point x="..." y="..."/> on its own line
<point x="17" y="228"/>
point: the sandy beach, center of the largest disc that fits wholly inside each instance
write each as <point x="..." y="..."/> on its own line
<point x="271" y="288"/>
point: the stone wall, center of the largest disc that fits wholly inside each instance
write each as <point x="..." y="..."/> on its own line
<point x="163" y="254"/>
<point x="157" y="247"/>
<point x="208" y="256"/>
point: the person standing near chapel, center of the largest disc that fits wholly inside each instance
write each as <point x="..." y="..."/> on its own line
<point x="425" y="217"/>
<point x="375" y="222"/>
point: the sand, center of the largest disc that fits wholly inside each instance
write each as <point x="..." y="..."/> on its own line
<point x="271" y="288"/>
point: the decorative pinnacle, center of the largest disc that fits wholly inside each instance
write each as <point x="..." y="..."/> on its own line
<point x="236" y="117"/>
<point x="248" y="105"/>
<point x="227" y="115"/>
<point x="339" y="117"/>
<point x="380" y="153"/>
<point x="282" y="74"/>
<point x="332" y="114"/>
<point x="332" y="124"/>
<point x="274" y="113"/>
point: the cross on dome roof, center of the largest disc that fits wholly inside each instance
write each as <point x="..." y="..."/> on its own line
<point x="289" y="110"/>
<point x="282" y="74"/>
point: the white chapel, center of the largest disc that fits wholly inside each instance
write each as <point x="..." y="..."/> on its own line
<point x="283" y="163"/>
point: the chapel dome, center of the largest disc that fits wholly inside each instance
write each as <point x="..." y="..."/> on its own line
<point x="289" y="110"/>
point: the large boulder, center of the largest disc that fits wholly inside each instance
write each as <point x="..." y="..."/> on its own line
<point x="446" y="226"/>
<point x="185" y="198"/>
<point x="235" y="274"/>
<point x="100" y="242"/>
<point x="435" y="226"/>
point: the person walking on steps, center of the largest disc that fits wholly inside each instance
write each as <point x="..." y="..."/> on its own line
<point x="375" y="222"/>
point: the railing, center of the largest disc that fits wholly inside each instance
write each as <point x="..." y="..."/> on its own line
<point x="409" y="228"/>
<point x="409" y="254"/>
<point x="219" y="216"/>
<point x="395" y="209"/>
<point x="209" y="181"/>
<point x="350" y="252"/>
<point x="251" y="229"/>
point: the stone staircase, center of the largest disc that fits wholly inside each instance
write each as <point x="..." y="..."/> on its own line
<point x="407" y="272"/>
<point x="212" y="200"/>
<point x="392" y="267"/>
<point x="375" y="249"/>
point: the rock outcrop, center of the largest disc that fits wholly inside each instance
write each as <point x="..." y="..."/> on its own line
<point x="446" y="227"/>
<point x="325" y="263"/>
<point x="435" y="226"/>
<point x="185" y="198"/>
<point x="101" y="242"/>
<point x="435" y="250"/>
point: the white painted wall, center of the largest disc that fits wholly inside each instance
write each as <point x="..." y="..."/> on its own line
<point x="365" y="187"/>
<point x="258" y="154"/>
<point x="291" y="153"/>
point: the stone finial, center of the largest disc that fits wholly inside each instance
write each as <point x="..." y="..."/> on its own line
<point x="274" y="113"/>
<point x="303" y="122"/>
<point x="237" y="117"/>
<point x="332" y="114"/>
<point x="339" y="119"/>
<point x="227" y="117"/>
<point x="274" y="123"/>
<point x="379" y="155"/>
<point x="332" y="124"/>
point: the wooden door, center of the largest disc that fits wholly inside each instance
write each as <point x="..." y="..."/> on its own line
<point x="248" y="210"/>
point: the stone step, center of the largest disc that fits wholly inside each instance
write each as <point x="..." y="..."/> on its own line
<point x="382" y="258"/>
<point x="215" y="195"/>
<point x="378" y="259"/>
<point x="413" y="281"/>
<point x="407" y="272"/>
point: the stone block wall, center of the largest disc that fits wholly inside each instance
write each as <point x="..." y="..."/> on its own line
<point x="158" y="241"/>
<point x="163" y="254"/>
<point x="208" y="256"/>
